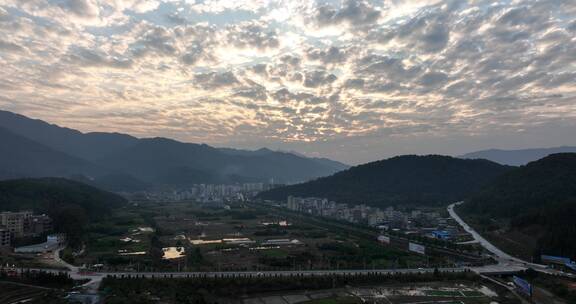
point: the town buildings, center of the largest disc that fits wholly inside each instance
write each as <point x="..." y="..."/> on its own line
<point x="360" y="214"/>
<point x="25" y="223"/>
<point x="4" y="237"/>
<point x="425" y="222"/>
<point x="204" y="193"/>
<point x="15" y="221"/>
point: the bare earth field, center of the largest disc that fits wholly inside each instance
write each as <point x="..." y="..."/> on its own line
<point x="436" y="292"/>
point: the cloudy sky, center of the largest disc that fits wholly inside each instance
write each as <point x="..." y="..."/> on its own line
<point x="354" y="80"/>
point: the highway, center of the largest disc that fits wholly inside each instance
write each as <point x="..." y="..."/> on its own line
<point x="499" y="254"/>
<point x="504" y="260"/>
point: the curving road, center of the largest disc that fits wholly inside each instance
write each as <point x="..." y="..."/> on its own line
<point x="499" y="254"/>
<point x="503" y="259"/>
<point x="61" y="262"/>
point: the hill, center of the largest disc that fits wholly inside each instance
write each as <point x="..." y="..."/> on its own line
<point x="409" y="179"/>
<point x="122" y="162"/>
<point x="22" y="157"/>
<point x="540" y="195"/>
<point x="516" y="157"/>
<point x="72" y="205"/>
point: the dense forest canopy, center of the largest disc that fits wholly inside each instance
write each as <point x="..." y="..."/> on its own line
<point x="410" y="179"/>
<point x="541" y="193"/>
<point x="70" y="204"/>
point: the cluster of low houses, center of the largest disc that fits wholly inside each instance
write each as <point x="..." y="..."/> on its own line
<point x="22" y="224"/>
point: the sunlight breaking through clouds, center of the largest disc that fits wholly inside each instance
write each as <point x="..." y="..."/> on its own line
<point x="227" y="72"/>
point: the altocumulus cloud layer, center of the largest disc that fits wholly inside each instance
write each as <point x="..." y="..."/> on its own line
<point x="352" y="79"/>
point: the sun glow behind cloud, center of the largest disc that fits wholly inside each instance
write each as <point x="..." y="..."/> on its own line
<point x="231" y="72"/>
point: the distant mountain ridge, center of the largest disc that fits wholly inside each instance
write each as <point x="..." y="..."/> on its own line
<point x="336" y="165"/>
<point x="409" y="179"/>
<point x="21" y="157"/>
<point x="110" y="158"/>
<point x="517" y="157"/>
<point x="88" y="146"/>
<point x="165" y="161"/>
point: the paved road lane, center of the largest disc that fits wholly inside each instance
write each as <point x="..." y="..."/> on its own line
<point x="501" y="257"/>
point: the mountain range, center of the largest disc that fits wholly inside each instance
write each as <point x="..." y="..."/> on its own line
<point x="34" y="148"/>
<point x="23" y="157"/>
<point x="409" y="179"/>
<point x="517" y="157"/>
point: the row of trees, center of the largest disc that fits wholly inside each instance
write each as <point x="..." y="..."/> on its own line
<point x="59" y="280"/>
<point x="206" y="290"/>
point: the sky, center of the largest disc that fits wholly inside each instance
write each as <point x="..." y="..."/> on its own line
<point x="352" y="80"/>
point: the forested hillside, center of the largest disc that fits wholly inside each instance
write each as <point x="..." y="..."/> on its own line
<point x="409" y="179"/>
<point x="71" y="205"/>
<point x="542" y="193"/>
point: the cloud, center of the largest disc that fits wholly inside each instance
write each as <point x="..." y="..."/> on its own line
<point x="258" y="93"/>
<point x="138" y="6"/>
<point x="157" y="40"/>
<point x="215" y="80"/>
<point x="354" y="83"/>
<point x="90" y="58"/>
<point x="252" y="35"/>
<point x="332" y="54"/>
<point x="286" y="96"/>
<point x="10" y="47"/>
<point x="351" y="12"/>
<point x="428" y="33"/>
<point x="314" y="79"/>
<point x="221" y="6"/>
<point x="433" y="79"/>
<point x="380" y="68"/>
<point x="82" y="8"/>
<point x="193" y="54"/>
<point x="291" y="72"/>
